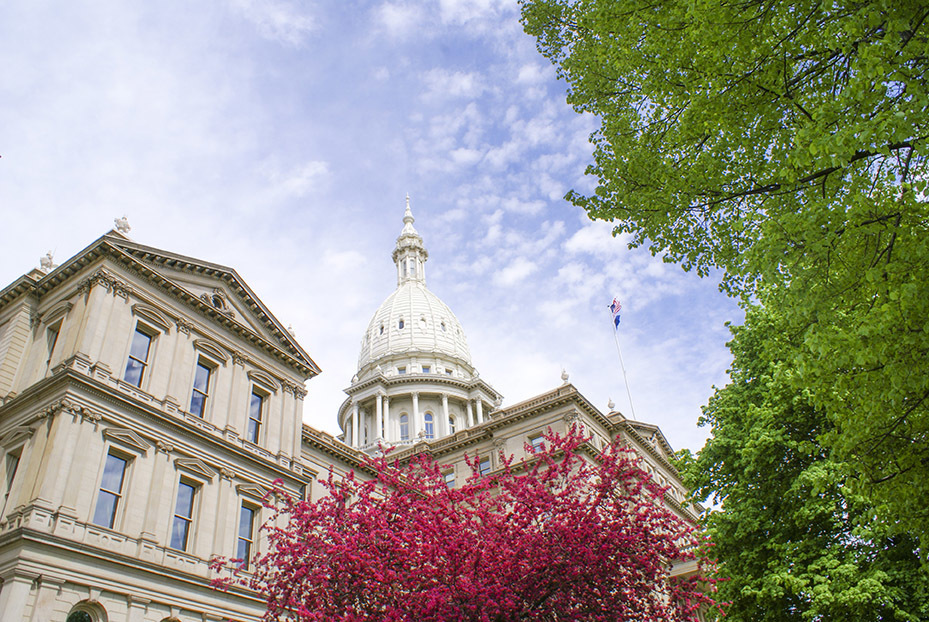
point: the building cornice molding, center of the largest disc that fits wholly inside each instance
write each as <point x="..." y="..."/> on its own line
<point x="136" y="258"/>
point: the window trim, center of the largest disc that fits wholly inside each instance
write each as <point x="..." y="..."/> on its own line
<point x="53" y="328"/>
<point x="190" y="520"/>
<point x="212" y="367"/>
<point x="116" y="514"/>
<point x="152" y="333"/>
<point x="401" y="424"/>
<point x="429" y="422"/>
<point x="251" y="541"/>
<point x="265" y="397"/>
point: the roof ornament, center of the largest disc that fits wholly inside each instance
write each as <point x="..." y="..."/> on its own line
<point x="122" y="225"/>
<point x="291" y="331"/>
<point x="564" y="376"/>
<point x="46" y="263"/>
<point x="611" y="405"/>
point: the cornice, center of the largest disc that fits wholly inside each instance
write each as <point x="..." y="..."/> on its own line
<point x="331" y="446"/>
<point x="133" y="257"/>
<point x="57" y="388"/>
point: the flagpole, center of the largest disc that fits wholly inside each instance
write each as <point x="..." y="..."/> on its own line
<point x="621" y="364"/>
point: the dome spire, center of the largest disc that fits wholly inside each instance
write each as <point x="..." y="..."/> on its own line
<point x="410" y="255"/>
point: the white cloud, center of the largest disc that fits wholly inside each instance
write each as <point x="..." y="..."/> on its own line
<point x="465" y="157"/>
<point x="301" y="180"/>
<point x="516" y="271"/>
<point x="441" y="84"/>
<point x="399" y="19"/>
<point x="277" y="20"/>
<point x="533" y="73"/>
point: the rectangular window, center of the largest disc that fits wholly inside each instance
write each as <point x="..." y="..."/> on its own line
<point x="201" y="389"/>
<point x="51" y="337"/>
<point x="255" y="407"/>
<point x="183" y="515"/>
<point x="111" y="490"/>
<point x="450" y="479"/>
<point x="246" y="534"/>
<point x="427" y="369"/>
<point x="12" y="464"/>
<point x="537" y="442"/>
<point x="448" y="371"/>
<point x="485" y="466"/>
<point x="401" y="370"/>
<point x="138" y="357"/>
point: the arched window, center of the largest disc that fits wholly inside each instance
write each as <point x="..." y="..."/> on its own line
<point x="400" y="324"/>
<point x="87" y="611"/>
<point x="404" y="427"/>
<point x="451" y="425"/>
<point x="430" y="425"/>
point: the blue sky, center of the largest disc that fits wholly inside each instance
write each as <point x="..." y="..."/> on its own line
<point x="281" y="138"/>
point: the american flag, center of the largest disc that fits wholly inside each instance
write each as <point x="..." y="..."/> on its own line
<point x="615" y="308"/>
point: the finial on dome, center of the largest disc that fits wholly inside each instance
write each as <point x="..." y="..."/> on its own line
<point x="611" y="405"/>
<point x="122" y="225"/>
<point x="564" y="376"/>
<point x="408" y="213"/>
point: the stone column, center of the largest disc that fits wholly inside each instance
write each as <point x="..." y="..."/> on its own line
<point x="470" y="415"/>
<point x="386" y="417"/>
<point x="14" y="594"/>
<point x="480" y="411"/>
<point x="417" y="424"/>
<point x="444" y="426"/>
<point x="379" y="415"/>
<point x="153" y="528"/>
<point x="354" y="442"/>
<point x="46" y="597"/>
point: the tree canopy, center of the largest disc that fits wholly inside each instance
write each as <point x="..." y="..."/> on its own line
<point x="795" y="541"/>
<point x="572" y="534"/>
<point x="783" y="143"/>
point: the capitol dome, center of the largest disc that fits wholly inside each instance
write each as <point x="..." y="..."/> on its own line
<point x="413" y="320"/>
<point x="415" y="380"/>
<point x="413" y="324"/>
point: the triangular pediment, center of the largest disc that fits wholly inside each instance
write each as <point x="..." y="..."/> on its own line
<point x="197" y="467"/>
<point x="16" y="436"/>
<point x="252" y="490"/>
<point x="218" y="292"/>
<point x="127" y="438"/>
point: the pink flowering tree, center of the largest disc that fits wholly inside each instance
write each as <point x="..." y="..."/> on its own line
<point x="567" y="534"/>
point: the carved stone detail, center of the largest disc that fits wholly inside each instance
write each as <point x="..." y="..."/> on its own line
<point x="164" y="447"/>
<point x="238" y="358"/>
<point x="183" y="326"/>
<point x="108" y="281"/>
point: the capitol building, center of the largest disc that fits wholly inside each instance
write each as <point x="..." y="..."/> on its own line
<point x="149" y="400"/>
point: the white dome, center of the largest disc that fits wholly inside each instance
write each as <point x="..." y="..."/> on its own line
<point x="413" y="320"/>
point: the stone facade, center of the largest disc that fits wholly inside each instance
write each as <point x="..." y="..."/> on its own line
<point x="148" y="401"/>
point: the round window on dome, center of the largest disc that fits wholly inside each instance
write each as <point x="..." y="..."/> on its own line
<point x="400" y="324"/>
<point x="382" y="329"/>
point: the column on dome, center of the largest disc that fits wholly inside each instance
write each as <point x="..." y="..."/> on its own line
<point x="379" y="415"/>
<point x="354" y="440"/>
<point x="386" y="417"/>
<point x="480" y="411"/>
<point x="445" y="415"/>
<point x="470" y="414"/>
<point x="417" y="423"/>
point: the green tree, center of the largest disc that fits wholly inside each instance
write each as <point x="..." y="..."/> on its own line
<point x="793" y="539"/>
<point x="785" y="144"/>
